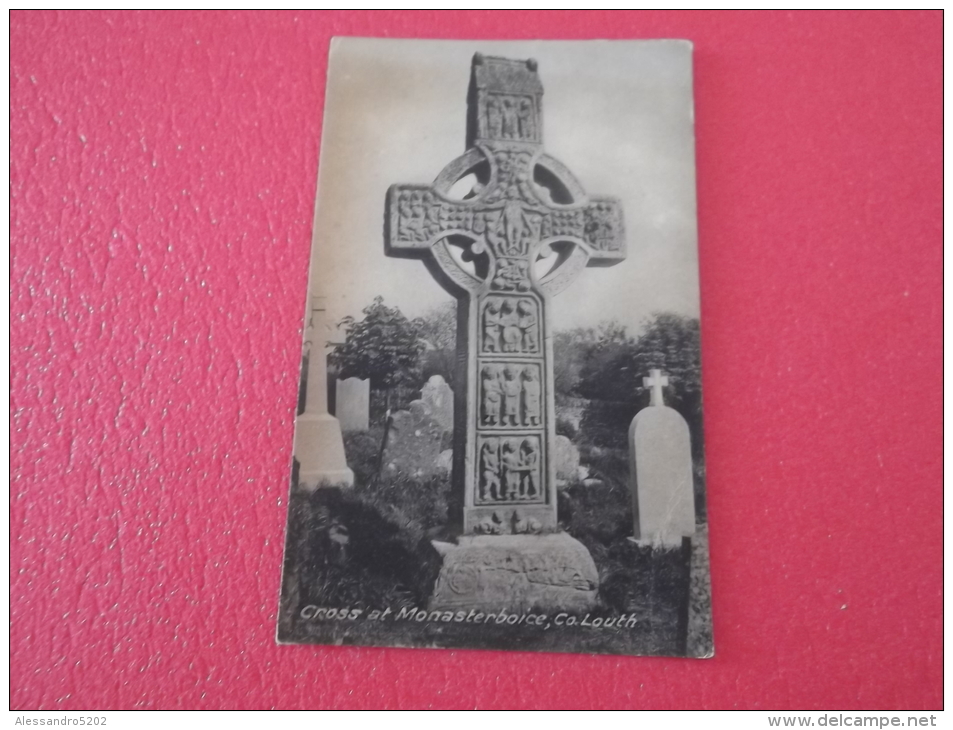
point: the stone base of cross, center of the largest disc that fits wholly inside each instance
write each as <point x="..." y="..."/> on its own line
<point x="489" y="248"/>
<point x="516" y="573"/>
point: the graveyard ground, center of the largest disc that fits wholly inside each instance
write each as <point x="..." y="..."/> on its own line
<point x="369" y="548"/>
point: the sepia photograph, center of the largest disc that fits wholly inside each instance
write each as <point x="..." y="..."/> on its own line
<point x="499" y="440"/>
<point x="356" y="363"/>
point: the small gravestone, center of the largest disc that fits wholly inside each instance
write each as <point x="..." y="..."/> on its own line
<point x="567" y="460"/>
<point x="438" y="397"/>
<point x="414" y="443"/>
<point x="352" y="403"/>
<point x="445" y="462"/>
<point x="660" y="464"/>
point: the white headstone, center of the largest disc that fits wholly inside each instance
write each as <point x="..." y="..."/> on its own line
<point x="319" y="447"/>
<point x="352" y="403"/>
<point x="438" y="397"/>
<point x="660" y="465"/>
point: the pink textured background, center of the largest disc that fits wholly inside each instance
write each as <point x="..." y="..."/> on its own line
<point x="163" y="176"/>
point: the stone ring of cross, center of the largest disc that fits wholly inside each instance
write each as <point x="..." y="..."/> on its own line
<point x="553" y="186"/>
<point x="505" y="217"/>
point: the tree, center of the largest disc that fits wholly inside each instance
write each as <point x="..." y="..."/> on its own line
<point x="616" y="363"/>
<point x="573" y="349"/>
<point x="383" y="346"/>
<point x="438" y="332"/>
<point x="671" y="343"/>
<point x="612" y="373"/>
<point x="606" y="372"/>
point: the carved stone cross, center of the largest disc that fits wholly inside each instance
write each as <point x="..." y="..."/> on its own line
<point x="656" y="381"/>
<point x="519" y="234"/>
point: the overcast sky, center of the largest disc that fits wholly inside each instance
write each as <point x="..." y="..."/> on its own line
<point x="618" y="114"/>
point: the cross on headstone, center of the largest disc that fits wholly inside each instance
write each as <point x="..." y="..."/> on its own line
<point x="526" y="206"/>
<point x="656" y="381"/>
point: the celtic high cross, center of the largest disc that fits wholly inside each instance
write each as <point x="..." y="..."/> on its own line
<point x="521" y="233"/>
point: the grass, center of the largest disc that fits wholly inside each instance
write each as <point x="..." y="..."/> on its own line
<point x="369" y="547"/>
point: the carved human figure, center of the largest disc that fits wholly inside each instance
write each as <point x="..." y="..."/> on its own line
<point x="494" y="118"/>
<point x="510" y="123"/>
<point x="406" y="216"/>
<point x="527" y="130"/>
<point x="601" y="228"/>
<point x="604" y="232"/>
<point x="511" y="274"/>
<point x="492" y="327"/>
<point x="512" y="388"/>
<point x="512" y="469"/>
<point x="528" y="324"/>
<point x="514" y="225"/>
<point x="531" y="394"/>
<point x="490" y="457"/>
<point x="492" y="396"/>
<point x="529" y="485"/>
<point x="512" y="335"/>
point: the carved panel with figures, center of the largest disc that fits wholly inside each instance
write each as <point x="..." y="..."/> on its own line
<point x="510" y="395"/>
<point x="510" y="325"/>
<point x="510" y="117"/>
<point x="510" y="470"/>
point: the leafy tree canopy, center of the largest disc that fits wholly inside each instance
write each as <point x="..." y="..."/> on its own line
<point x="615" y="363"/>
<point x="438" y="332"/>
<point x="438" y="328"/>
<point x="606" y="366"/>
<point x="383" y="346"/>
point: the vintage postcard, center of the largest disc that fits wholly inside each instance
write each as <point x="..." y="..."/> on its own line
<point x="499" y="434"/>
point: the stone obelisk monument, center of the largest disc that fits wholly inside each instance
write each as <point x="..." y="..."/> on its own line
<point x="526" y="207"/>
<point x="319" y="446"/>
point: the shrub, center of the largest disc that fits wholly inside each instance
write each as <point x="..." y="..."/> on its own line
<point x="347" y="551"/>
<point x="565" y="427"/>
<point x="363" y="452"/>
<point x="605" y="423"/>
